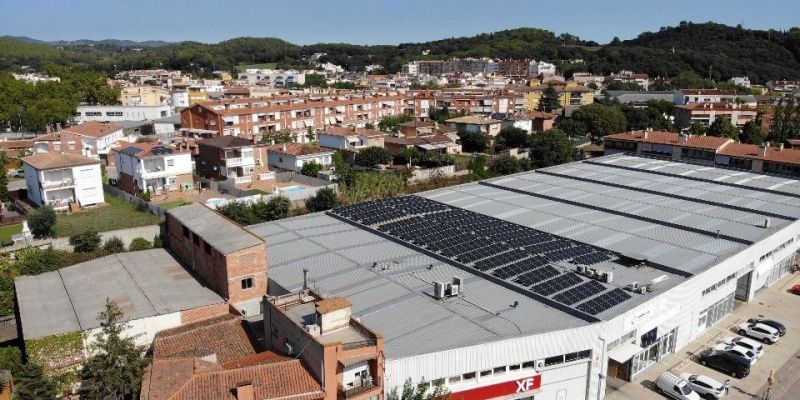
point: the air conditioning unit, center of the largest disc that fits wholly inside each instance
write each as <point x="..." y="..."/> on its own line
<point x="438" y="290"/>
<point x="607" y="276"/>
<point x="458" y="281"/>
<point x="642" y="290"/>
<point x="581" y="269"/>
<point x="539" y="365"/>
<point x="650" y="287"/>
<point x="314" y="330"/>
<point x="454" y="290"/>
<point x="591" y="272"/>
<point x="633" y="286"/>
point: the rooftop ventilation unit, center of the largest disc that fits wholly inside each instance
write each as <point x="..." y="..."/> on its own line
<point x="633" y="286"/>
<point x="438" y="290"/>
<point x="607" y="276"/>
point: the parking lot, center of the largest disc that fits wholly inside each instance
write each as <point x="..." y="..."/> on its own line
<point x="773" y="303"/>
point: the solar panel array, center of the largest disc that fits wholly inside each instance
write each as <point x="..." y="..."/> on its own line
<point x="132" y="150"/>
<point x="539" y="262"/>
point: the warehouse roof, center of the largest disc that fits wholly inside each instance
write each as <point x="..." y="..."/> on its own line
<point x="143" y="283"/>
<point x="630" y="208"/>
<point x="216" y="230"/>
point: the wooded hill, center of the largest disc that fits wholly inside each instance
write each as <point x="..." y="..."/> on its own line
<point x="708" y="49"/>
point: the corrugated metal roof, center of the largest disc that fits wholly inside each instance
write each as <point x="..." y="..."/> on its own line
<point x="143" y="283"/>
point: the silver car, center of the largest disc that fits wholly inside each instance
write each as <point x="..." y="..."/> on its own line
<point x="705" y="386"/>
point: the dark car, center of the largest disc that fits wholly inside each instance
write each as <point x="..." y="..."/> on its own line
<point x="775" y="324"/>
<point x="727" y="362"/>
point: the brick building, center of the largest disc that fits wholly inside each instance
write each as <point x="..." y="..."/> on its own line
<point x="228" y="258"/>
<point x="230" y="157"/>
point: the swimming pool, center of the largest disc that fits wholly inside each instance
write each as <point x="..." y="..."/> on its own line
<point x="293" y="188"/>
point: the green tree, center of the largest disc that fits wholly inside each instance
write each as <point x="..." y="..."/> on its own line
<point x="601" y="119"/>
<point x="549" y="100"/>
<point x="369" y="125"/>
<point x="85" y="242"/>
<point x="505" y="165"/>
<point x="373" y="156"/>
<point x="138" y="244"/>
<point x="239" y="212"/>
<point x="311" y="135"/>
<point x="316" y="80"/>
<point x="311" y="168"/>
<point x="752" y="133"/>
<point x="115" y="370"/>
<point x="325" y="199"/>
<point x="478" y="166"/>
<point x="572" y="127"/>
<point x="723" y="127"/>
<point x="473" y="142"/>
<point x="698" y="129"/>
<point x="278" y="208"/>
<point x="552" y="147"/>
<point x="391" y="123"/>
<point x="5" y="195"/>
<point x="513" y="137"/>
<point x="114" y="245"/>
<point x="277" y="137"/>
<point x="42" y="220"/>
<point x="786" y="121"/>
<point x="31" y="383"/>
<point x="624" y="85"/>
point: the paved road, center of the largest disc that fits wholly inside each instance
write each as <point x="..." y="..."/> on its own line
<point x="788" y="385"/>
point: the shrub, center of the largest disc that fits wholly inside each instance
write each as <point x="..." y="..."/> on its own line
<point x="146" y="196"/>
<point x="42" y="220"/>
<point x="114" y="245"/>
<point x="278" y="208"/>
<point x="86" y="241"/>
<point x="505" y="165"/>
<point x="141" y="206"/>
<point x="325" y="199"/>
<point x="373" y="156"/>
<point x="157" y="242"/>
<point x="311" y="169"/>
<point x="139" y="243"/>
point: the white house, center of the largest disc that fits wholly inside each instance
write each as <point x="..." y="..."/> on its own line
<point x="351" y="138"/>
<point x="60" y="179"/>
<point x="153" y="167"/>
<point x="293" y="156"/>
<point x="92" y="139"/>
<point x="121" y="113"/>
<point x="536" y="68"/>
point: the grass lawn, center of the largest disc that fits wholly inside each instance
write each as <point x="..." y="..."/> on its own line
<point x="242" y="67"/>
<point x="257" y="191"/>
<point x="461" y="157"/>
<point x="116" y="214"/>
<point x="168" y="205"/>
<point x="7" y="231"/>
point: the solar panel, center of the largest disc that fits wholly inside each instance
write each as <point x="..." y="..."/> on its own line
<point x="132" y="150"/>
<point x="158" y="150"/>
<point x="536" y="276"/>
<point x="604" y="302"/>
<point x="580" y="292"/>
<point x="557" y="284"/>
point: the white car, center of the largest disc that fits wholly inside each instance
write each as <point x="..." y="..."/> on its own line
<point x="764" y="333"/>
<point x="704" y="386"/>
<point x="749" y="344"/>
<point x="738" y="350"/>
<point x="674" y="386"/>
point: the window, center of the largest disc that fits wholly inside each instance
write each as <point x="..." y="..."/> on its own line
<point x="454" y="379"/>
<point x="554" y="360"/>
<point x="468" y="377"/>
<point x="71" y="145"/>
<point x="528" y="365"/>
<point x="513" y="368"/>
<point x="171" y="163"/>
<point x="185" y="232"/>
<point x="57" y="146"/>
<point x="486" y="373"/>
<point x="500" y="370"/>
<point x="247" y="283"/>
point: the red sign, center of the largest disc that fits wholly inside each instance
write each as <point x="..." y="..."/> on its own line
<point x="501" y="389"/>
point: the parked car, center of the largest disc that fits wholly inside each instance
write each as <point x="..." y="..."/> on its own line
<point x="726" y="362"/>
<point x="769" y="322"/>
<point x="764" y="333"/>
<point x="749" y="344"/>
<point x="795" y="289"/>
<point x="705" y="386"/>
<point x="674" y="386"/>
<point x="738" y="350"/>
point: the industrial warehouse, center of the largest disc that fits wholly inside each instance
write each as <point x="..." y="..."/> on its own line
<point x="552" y="283"/>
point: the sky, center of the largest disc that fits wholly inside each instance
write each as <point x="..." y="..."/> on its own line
<point x="371" y="21"/>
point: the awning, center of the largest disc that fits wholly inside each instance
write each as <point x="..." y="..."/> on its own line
<point x="624" y="352"/>
<point x="349" y="361"/>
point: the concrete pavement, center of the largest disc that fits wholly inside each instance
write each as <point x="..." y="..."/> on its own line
<point x="784" y="357"/>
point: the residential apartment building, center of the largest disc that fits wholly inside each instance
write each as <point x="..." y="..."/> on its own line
<point x="643" y="80"/>
<point x="61" y="180"/>
<point x="569" y="94"/>
<point x="292" y="156"/>
<point x="154" y="168"/>
<point x="743" y="81"/>
<point x="541" y="68"/>
<point x="707" y="113"/>
<point x="350" y="138"/>
<point x="470" y="123"/>
<point x="471" y="101"/>
<point x="231" y="157"/>
<point x="149" y="96"/>
<point x="514" y="68"/>
<point x="230" y="259"/>
<point x="709" y="150"/>
<point x="273" y="78"/>
<point x="254" y="117"/>
<point x="783" y="86"/>
<point x="92" y="139"/>
<point x="424" y="136"/>
<point x="85" y="113"/>
<point x="686" y="96"/>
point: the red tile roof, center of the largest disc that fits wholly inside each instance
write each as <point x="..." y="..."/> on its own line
<point x="343" y="131"/>
<point x="754" y="152"/>
<point x="717" y="107"/>
<point x="43" y="161"/>
<point x="223" y="336"/>
<point x="299" y="149"/>
<point x="672" y="138"/>
<point x="708" y="92"/>
<point x="94" y="129"/>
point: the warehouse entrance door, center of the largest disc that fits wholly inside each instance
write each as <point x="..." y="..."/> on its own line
<point x="743" y="286"/>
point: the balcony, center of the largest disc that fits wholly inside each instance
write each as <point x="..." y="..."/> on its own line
<point x="266" y="176"/>
<point x="239" y="161"/>
<point x="242" y="179"/>
<point x="58" y="184"/>
<point x="361" y="387"/>
<point x="156" y="173"/>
